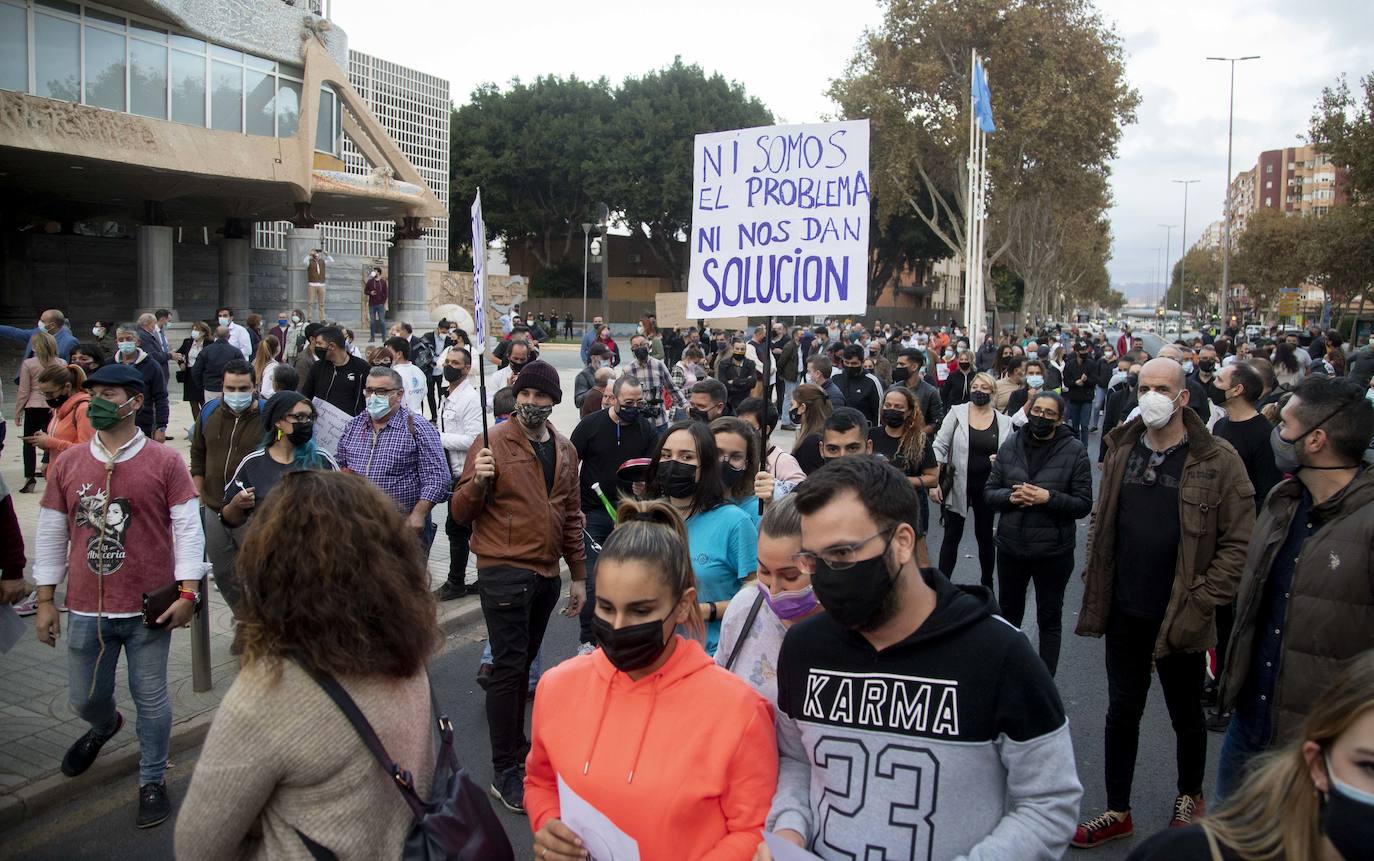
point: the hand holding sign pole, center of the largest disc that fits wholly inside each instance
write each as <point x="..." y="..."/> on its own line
<point x="479" y="302"/>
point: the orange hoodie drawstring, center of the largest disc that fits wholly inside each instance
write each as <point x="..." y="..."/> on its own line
<point x="643" y="732"/>
<point x="596" y="733"/>
<point x="639" y="747"/>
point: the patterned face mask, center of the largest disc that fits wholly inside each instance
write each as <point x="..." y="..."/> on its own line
<point x="532" y="416"/>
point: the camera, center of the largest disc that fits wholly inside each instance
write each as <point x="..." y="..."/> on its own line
<point x="653" y="403"/>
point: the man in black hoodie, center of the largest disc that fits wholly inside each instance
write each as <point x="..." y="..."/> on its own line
<point x="912" y="722"/>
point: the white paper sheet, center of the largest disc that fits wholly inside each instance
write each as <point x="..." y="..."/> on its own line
<point x="785" y="851"/>
<point x="602" y="839"/>
<point x="12" y="627"/>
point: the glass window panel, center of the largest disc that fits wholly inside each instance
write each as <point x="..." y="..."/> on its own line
<point x="188" y="88"/>
<point x="186" y="43"/>
<point x="57" y="58"/>
<point x="147" y="31"/>
<point x="259" y="88"/>
<point x="288" y="108"/>
<point x="14" y="48"/>
<point x="324" y="123"/>
<point x="226" y="97"/>
<point x="148" y="79"/>
<point x="62" y="5"/>
<point x="219" y="52"/>
<point x="104" y="16"/>
<point x="104" y="69"/>
<point x="259" y="63"/>
<point x="289" y="70"/>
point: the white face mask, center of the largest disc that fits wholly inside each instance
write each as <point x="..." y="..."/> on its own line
<point x="1157" y="409"/>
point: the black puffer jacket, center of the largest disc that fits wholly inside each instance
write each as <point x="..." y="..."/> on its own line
<point x="1040" y="530"/>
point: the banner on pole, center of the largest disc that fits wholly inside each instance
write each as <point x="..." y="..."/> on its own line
<point x="479" y="270"/>
<point x="780" y="221"/>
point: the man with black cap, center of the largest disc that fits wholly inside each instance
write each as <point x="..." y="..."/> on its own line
<point x="526" y="475"/>
<point x="118" y="518"/>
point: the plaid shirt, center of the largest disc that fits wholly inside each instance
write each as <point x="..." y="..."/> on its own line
<point x="655" y="375"/>
<point x="405" y="459"/>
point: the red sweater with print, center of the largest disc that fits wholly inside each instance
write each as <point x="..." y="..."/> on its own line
<point x="136" y="553"/>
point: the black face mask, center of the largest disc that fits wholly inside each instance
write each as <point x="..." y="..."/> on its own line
<point x="57" y="402"/>
<point x="678" y="480"/>
<point x="301" y="434"/>
<point x="964" y="366"/>
<point x="859" y="597"/>
<point x="979" y="398"/>
<point x="900" y="375"/>
<point x="515" y="368"/>
<point x="697" y="415"/>
<point x="853" y="373"/>
<point x="321" y="353"/>
<point x="628" y="415"/>
<point x="1217" y="395"/>
<point x="738" y="357"/>
<point x="794" y="416"/>
<point x="730" y="474"/>
<point x="894" y="418"/>
<point x="454" y="375"/>
<point x="641" y="353"/>
<point x="1041" y="428"/>
<point x="1132" y="379"/>
<point x="632" y="647"/>
<point x="1207" y="366"/>
<point x="1346" y="819"/>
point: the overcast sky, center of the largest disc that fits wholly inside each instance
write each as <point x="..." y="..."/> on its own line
<point x="786" y="54"/>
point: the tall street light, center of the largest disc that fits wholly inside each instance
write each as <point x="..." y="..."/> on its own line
<point x="1183" y="248"/>
<point x="586" y="245"/>
<point x="1159" y="263"/>
<point x="1163" y="304"/>
<point x="1226" y="238"/>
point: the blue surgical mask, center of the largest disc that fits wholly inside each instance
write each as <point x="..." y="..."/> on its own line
<point x="127" y="347"/>
<point x="224" y="321"/>
<point x="1035" y="381"/>
<point x="378" y="406"/>
<point x="1188" y="366"/>
<point x="238" y="401"/>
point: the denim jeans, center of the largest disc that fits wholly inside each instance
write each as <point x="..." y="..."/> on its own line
<point x="145" y="652"/>
<point x="788" y="387"/>
<point x="376" y="321"/>
<point x="1080" y="419"/>
<point x="1247" y="736"/>
<point x="1099" y="401"/>
<point x="597" y="530"/>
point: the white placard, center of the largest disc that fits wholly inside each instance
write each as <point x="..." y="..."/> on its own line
<point x="330" y="422"/>
<point x="780" y="221"/>
<point x="602" y="838"/>
<point x="782" y="850"/>
<point x="479" y="271"/>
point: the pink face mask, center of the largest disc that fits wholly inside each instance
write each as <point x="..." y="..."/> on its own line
<point x="790" y="605"/>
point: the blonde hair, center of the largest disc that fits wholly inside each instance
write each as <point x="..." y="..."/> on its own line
<point x="44" y="348"/>
<point x="1275" y="814"/>
<point x="267" y="353"/>
<point x="654" y="533"/>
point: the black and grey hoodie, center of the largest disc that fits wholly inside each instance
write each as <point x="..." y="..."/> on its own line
<point x="950" y="744"/>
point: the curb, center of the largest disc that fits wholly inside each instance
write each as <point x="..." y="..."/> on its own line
<point x="34" y="799"/>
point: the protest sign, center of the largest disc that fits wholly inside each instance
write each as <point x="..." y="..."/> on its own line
<point x="780" y="221"/>
<point x="670" y="310"/>
<point x="330" y="422"/>
<point x="479" y="270"/>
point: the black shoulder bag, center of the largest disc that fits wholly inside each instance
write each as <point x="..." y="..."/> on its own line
<point x="744" y="632"/>
<point x="457" y="823"/>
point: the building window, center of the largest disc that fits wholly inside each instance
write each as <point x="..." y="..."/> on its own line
<point x="188" y="88"/>
<point x="1269" y="201"/>
<point x="1269" y="183"/>
<point x="104" y="69"/>
<point x="14" y="48"/>
<point x="260" y="113"/>
<point x="327" y="123"/>
<point x="226" y="97"/>
<point x="1268" y="168"/>
<point x="288" y="107"/>
<point x="57" y="58"/>
<point x="147" y="79"/>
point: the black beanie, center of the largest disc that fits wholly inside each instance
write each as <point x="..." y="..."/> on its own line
<point x="539" y="375"/>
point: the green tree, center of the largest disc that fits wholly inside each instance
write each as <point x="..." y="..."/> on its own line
<point x="537" y="152"/>
<point x="1060" y="100"/>
<point x="1339" y="253"/>
<point x="1197" y="275"/>
<point x="1270" y="255"/>
<point x="1342" y="126"/>
<point x="648" y="157"/>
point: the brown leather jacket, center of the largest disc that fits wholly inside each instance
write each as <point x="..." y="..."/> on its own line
<point x="517" y="522"/>
<point x="1216" y="515"/>
<point x="1330" y="616"/>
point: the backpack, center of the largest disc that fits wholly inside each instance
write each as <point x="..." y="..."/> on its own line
<point x="424" y="356"/>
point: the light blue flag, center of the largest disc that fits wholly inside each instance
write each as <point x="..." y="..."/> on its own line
<point x="982" y="99"/>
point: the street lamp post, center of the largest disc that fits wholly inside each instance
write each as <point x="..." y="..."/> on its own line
<point x="586" y="244"/>
<point x="1183" y="244"/>
<point x="1226" y="237"/>
<point x="1164" y="300"/>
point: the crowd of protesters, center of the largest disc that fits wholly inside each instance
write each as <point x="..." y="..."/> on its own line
<point x="766" y="642"/>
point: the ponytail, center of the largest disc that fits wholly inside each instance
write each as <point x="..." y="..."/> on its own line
<point x="654" y="533"/>
<point x="63" y="375"/>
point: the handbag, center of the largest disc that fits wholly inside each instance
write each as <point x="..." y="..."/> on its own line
<point x="156" y="602"/>
<point x="458" y="821"/>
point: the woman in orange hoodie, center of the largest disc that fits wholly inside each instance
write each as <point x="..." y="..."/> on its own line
<point x="674" y="750"/>
<point x="62" y="389"/>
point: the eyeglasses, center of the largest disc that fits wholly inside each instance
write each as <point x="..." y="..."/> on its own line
<point x="301" y="419"/>
<point x="838" y="558"/>
<point x="737" y="460"/>
<point x="1049" y="414"/>
<point x="370" y="391"/>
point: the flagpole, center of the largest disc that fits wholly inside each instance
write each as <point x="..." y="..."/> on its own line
<point x="970" y="188"/>
<point x="980" y="297"/>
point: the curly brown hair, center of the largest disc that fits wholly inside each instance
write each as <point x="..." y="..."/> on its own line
<point x="333" y="580"/>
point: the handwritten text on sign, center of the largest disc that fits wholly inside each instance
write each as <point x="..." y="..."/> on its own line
<point x="780" y="220"/>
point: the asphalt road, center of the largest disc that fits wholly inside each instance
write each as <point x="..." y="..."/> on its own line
<point x="99" y="824"/>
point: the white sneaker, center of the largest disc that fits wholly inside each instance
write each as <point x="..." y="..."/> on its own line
<point x="28" y="606"/>
<point x="585" y="649"/>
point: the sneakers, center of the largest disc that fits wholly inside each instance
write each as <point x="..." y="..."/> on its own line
<point x="1218" y="721"/>
<point x="28" y="606"/>
<point x="449" y="591"/>
<point x="1186" y="809"/>
<point x="585" y="649"/>
<point x="1103" y="829"/>
<point x="484" y="676"/>
<point x="509" y="789"/>
<point x="153" y="805"/>
<point x="29" y="486"/>
<point x="80" y="755"/>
